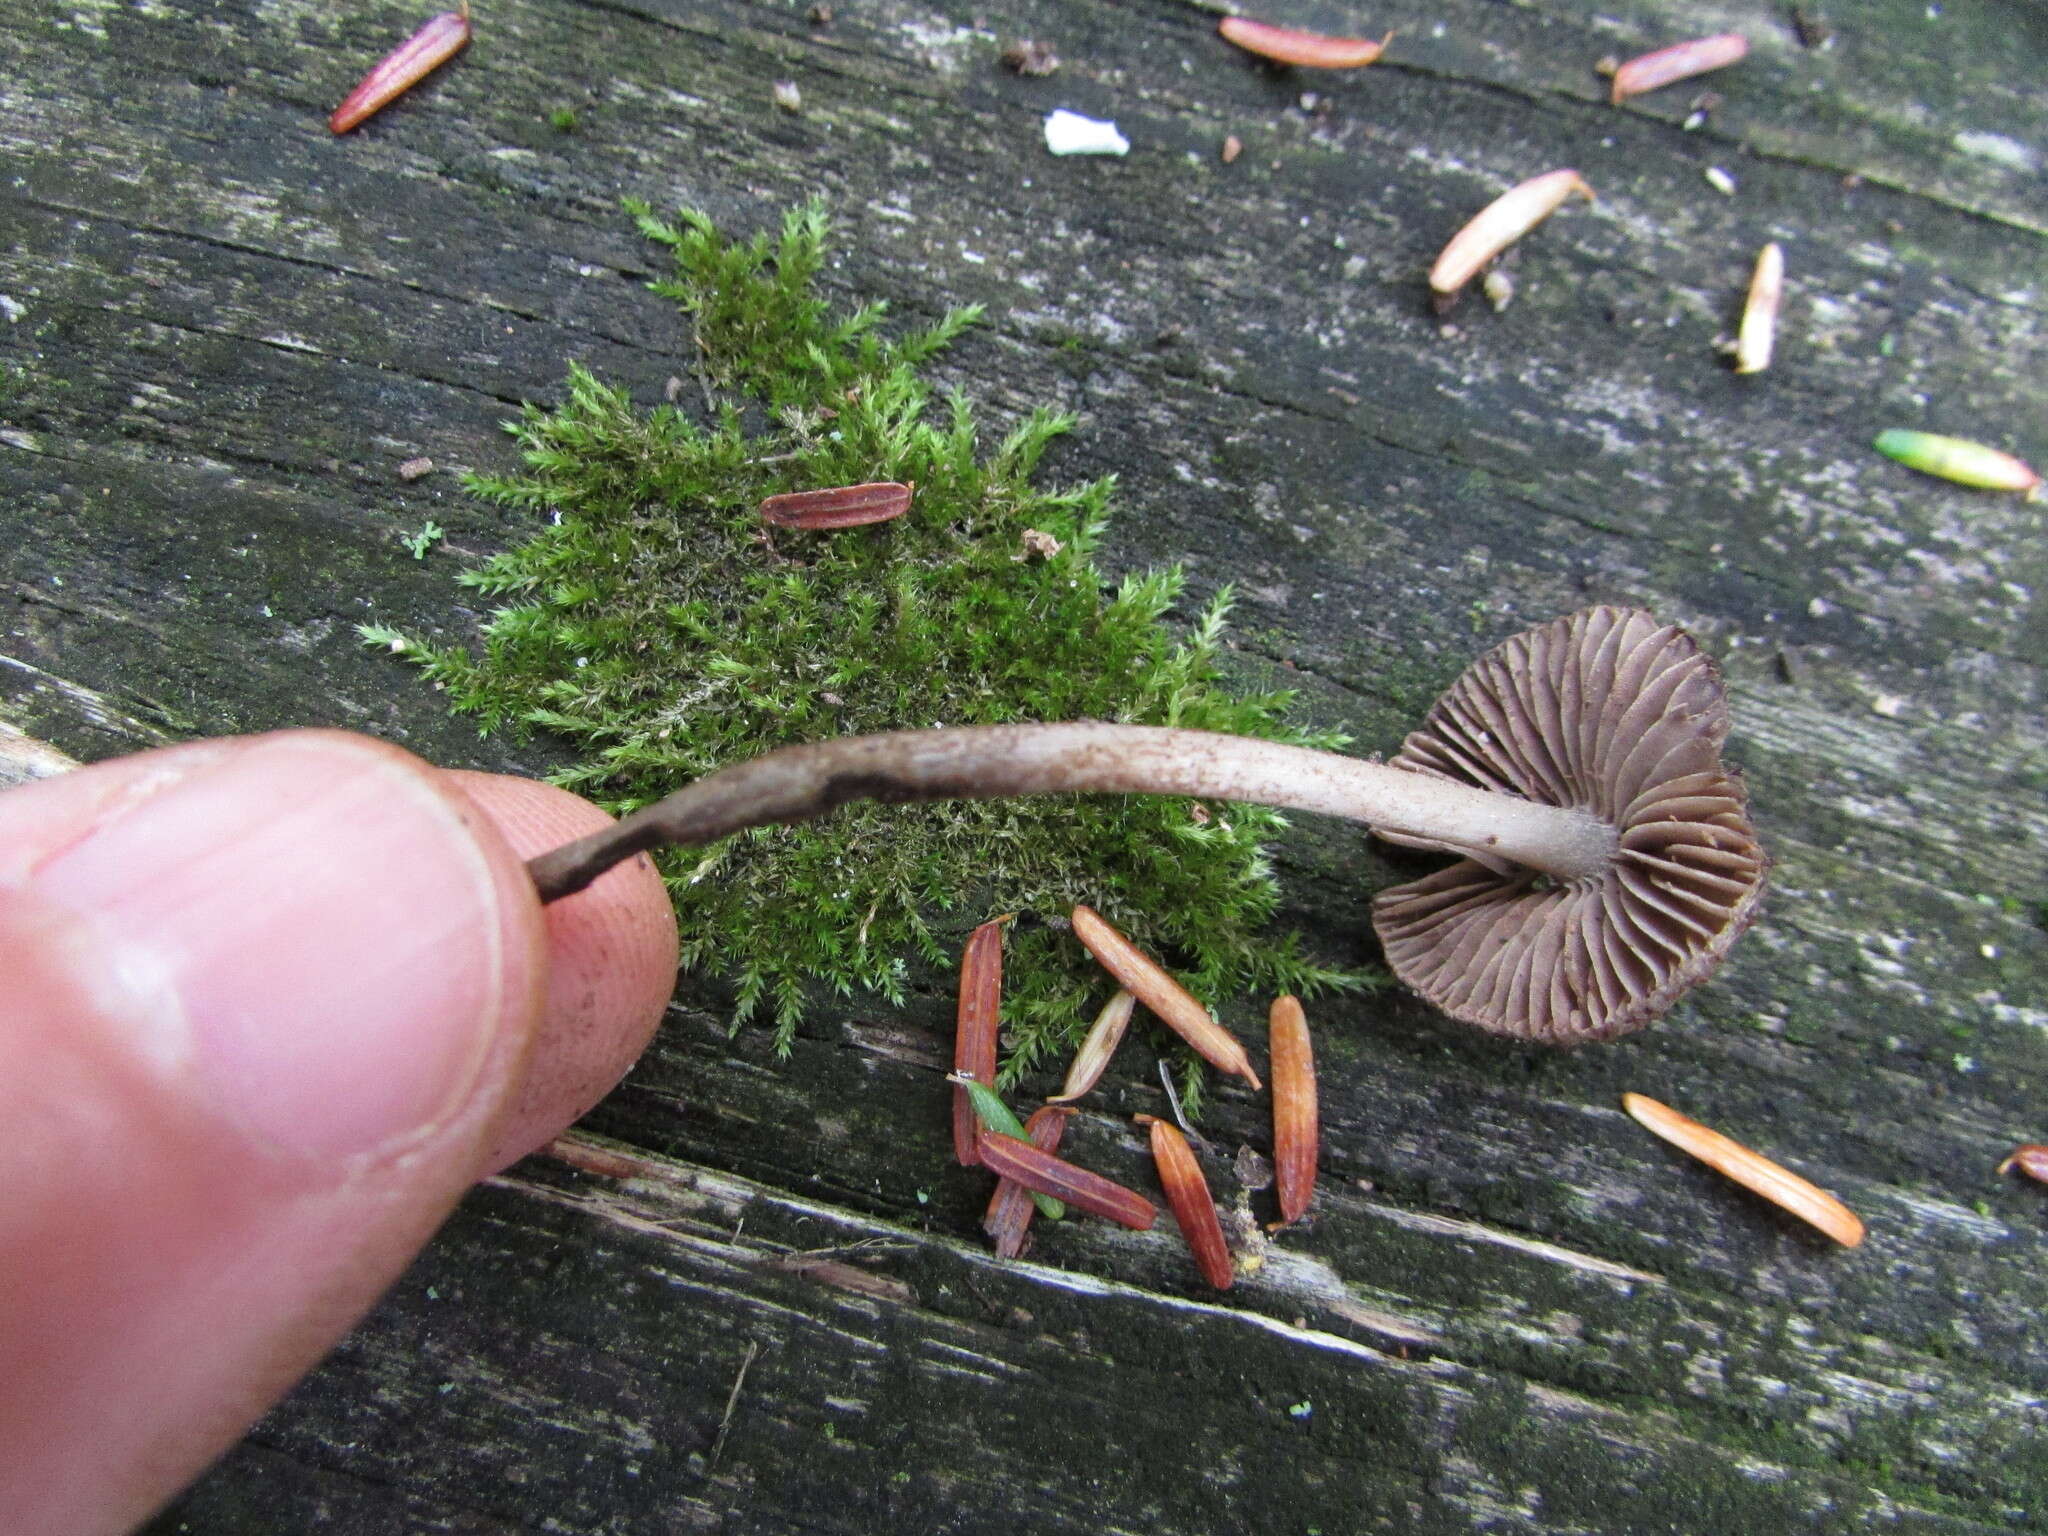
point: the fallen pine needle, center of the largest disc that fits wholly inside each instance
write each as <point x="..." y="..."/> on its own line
<point x="974" y="1029"/>
<point x="1194" y="1208"/>
<point x="2031" y="1159"/>
<point x="1777" y="1184"/>
<point x="1172" y="1003"/>
<point x="1008" y="1220"/>
<point x="1500" y="224"/>
<point x="1044" y="1174"/>
<point x="1681" y="61"/>
<point x="839" y="506"/>
<point x="1104" y="1036"/>
<point x="995" y="1115"/>
<point x="1296" y="1119"/>
<point x="1759" y="331"/>
<point x="1957" y="459"/>
<point x="403" y="68"/>
<point x="1305" y="50"/>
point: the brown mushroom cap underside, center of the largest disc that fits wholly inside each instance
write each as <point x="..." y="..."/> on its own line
<point x="1610" y="712"/>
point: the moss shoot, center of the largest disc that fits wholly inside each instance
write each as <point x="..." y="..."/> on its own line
<point x="656" y="623"/>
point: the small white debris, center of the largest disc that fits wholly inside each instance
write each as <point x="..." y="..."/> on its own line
<point x="12" y="308"/>
<point x="1499" y="288"/>
<point x="1996" y="147"/>
<point x="1720" y="180"/>
<point x="1038" y="542"/>
<point x="1069" y="133"/>
<point x="1888" y="704"/>
<point x="413" y="469"/>
<point x="788" y="97"/>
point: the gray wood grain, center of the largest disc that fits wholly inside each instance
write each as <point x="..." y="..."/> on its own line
<point x="1512" y="1311"/>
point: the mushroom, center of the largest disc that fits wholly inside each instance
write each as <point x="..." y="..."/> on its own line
<point x="1606" y="858"/>
<point x="1610" y="712"/>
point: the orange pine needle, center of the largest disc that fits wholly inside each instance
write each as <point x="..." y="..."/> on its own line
<point x="1500" y="224"/>
<point x="2031" y="1159"/>
<point x="1175" y="1007"/>
<point x="1296" y="1119"/>
<point x="403" y="68"/>
<point x="1779" y="1185"/>
<point x="974" y="1032"/>
<point x="1010" y="1211"/>
<point x="840" y="506"/>
<point x="1049" y="1175"/>
<point x="1187" y="1193"/>
<point x="1681" y="61"/>
<point x="1305" y="50"/>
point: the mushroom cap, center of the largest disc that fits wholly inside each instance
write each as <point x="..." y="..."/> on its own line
<point x="1610" y="712"/>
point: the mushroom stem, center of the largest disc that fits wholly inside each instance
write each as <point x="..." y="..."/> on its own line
<point x="984" y="762"/>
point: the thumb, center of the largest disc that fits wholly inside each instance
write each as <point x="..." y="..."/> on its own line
<point x="260" y="1003"/>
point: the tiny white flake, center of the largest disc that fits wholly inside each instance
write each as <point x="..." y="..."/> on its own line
<point x="1720" y="180"/>
<point x="1996" y="147"/>
<point x="1069" y="133"/>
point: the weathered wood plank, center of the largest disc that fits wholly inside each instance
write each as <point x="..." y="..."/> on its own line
<point x="233" y="327"/>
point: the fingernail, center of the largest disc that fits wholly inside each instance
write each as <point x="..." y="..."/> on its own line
<point x="305" y="929"/>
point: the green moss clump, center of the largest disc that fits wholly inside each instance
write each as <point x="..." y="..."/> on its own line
<point x="655" y="622"/>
